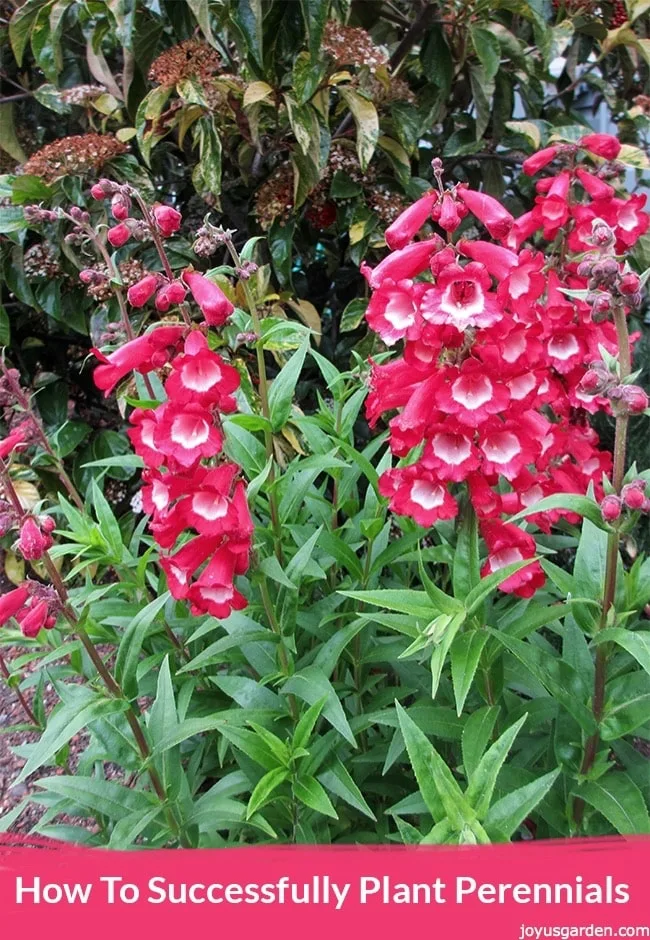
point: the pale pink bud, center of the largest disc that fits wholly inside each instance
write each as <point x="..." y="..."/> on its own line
<point x="33" y="543"/>
<point x="629" y="399"/>
<point x="603" y="145"/>
<point x="138" y="294"/>
<point x="611" y="508"/>
<point x="633" y="494"/>
<point x="34" y="620"/>
<point x="118" y="235"/>
<point x="488" y="210"/>
<point x="400" y="232"/>
<point x="629" y="283"/>
<point x="215" y="306"/>
<point x="539" y="160"/>
<point x="120" y="206"/>
<point x="167" y="219"/>
<point x="11" y="602"/>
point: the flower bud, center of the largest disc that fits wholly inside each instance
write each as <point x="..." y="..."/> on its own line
<point x="47" y="524"/>
<point x="628" y="399"/>
<point x="611" y="508"/>
<point x="11" y="602"/>
<point x="601" y="302"/>
<point x="585" y="268"/>
<point x="90" y="276"/>
<point x="633" y="494"/>
<point x="138" y="294"/>
<point x="37" y="214"/>
<point x="602" y="235"/>
<point x="167" y="219"/>
<point x="79" y="215"/>
<point x="539" y="160"/>
<point x="629" y="283"/>
<point x="120" y="207"/>
<point x="118" y="235"/>
<point x="33" y="542"/>
<point x="103" y="188"/>
<point x="215" y="306"/>
<point x="603" y="145"/>
<point x="34" y="620"/>
<point x="592" y="383"/>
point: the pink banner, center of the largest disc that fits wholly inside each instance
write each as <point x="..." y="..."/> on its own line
<point x="586" y="888"/>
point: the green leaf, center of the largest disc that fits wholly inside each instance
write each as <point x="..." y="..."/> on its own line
<point x="488" y="49"/>
<point x="339" y="782"/>
<point x="507" y="814"/>
<point x="12" y="219"/>
<point x="126" y="830"/>
<point x="105" y="797"/>
<point x="636" y="643"/>
<point x="8" y="140"/>
<point x="330" y="652"/>
<point x="404" y="601"/>
<point x="146" y="119"/>
<point x="64" y="723"/>
<point x="484" y="779"/>
<point x="465" y="650"/>
<point x="366" y="120"/>
<point x="437" y="61"/>
<point x="310" y="792"/>
<point x="307" y="723"/>
<point x="466" y="571"/>
<point x="438" y="787"/>
<point x="128" y="653"/>
<point x="5" y="327"/>
<point x="581" y="505"/>
<point x="482" y="90"/>
<point x="353" y="314"/>
<point x="20" y="27"/>
<point x="315" y="13"/>
<point x="207" y="173"/>
<point x="247" y="18"/>
<point x="201" y="12"/>
<point x="311" y="685"/>
<point x="627" y="705"/>
<point x="68" y="437"/>
<point x="283" y="387"/>
<point x="619" y="800"/>
<point x="557" y="677"/>
<point x="265" y="788"/>
<point x="476" y="736"/>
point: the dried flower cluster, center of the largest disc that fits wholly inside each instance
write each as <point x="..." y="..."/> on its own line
<point x="81" y="95"/>
<point x="74" y="156"/>
<point x="40" y="261"/>
<point x="499" y="361"/>
<point x="352" y="45"/>
<point x="189" y="59"/>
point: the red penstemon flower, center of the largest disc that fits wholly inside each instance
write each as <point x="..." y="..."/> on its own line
<point x="490" y="337"/>
<point x="193" y="494"/>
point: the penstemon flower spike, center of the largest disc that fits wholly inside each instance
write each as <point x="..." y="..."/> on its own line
<point x="502" y="356"/>
<point x="195" y="497"/>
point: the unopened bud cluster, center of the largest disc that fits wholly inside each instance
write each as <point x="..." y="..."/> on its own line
<point x="633" y="498"/>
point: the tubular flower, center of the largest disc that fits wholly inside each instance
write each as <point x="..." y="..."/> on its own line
<point x="195" y="498"/>
<point x="215" y="306"/>
<point x="500" y="356"/>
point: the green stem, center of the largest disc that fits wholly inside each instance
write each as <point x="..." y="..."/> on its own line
<point x="611" y="566"/>
<point x="19" y="695"/>
<point x="264" y="402"/>
<point x="25" y="403"/>
<point x="109" y="681"/>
